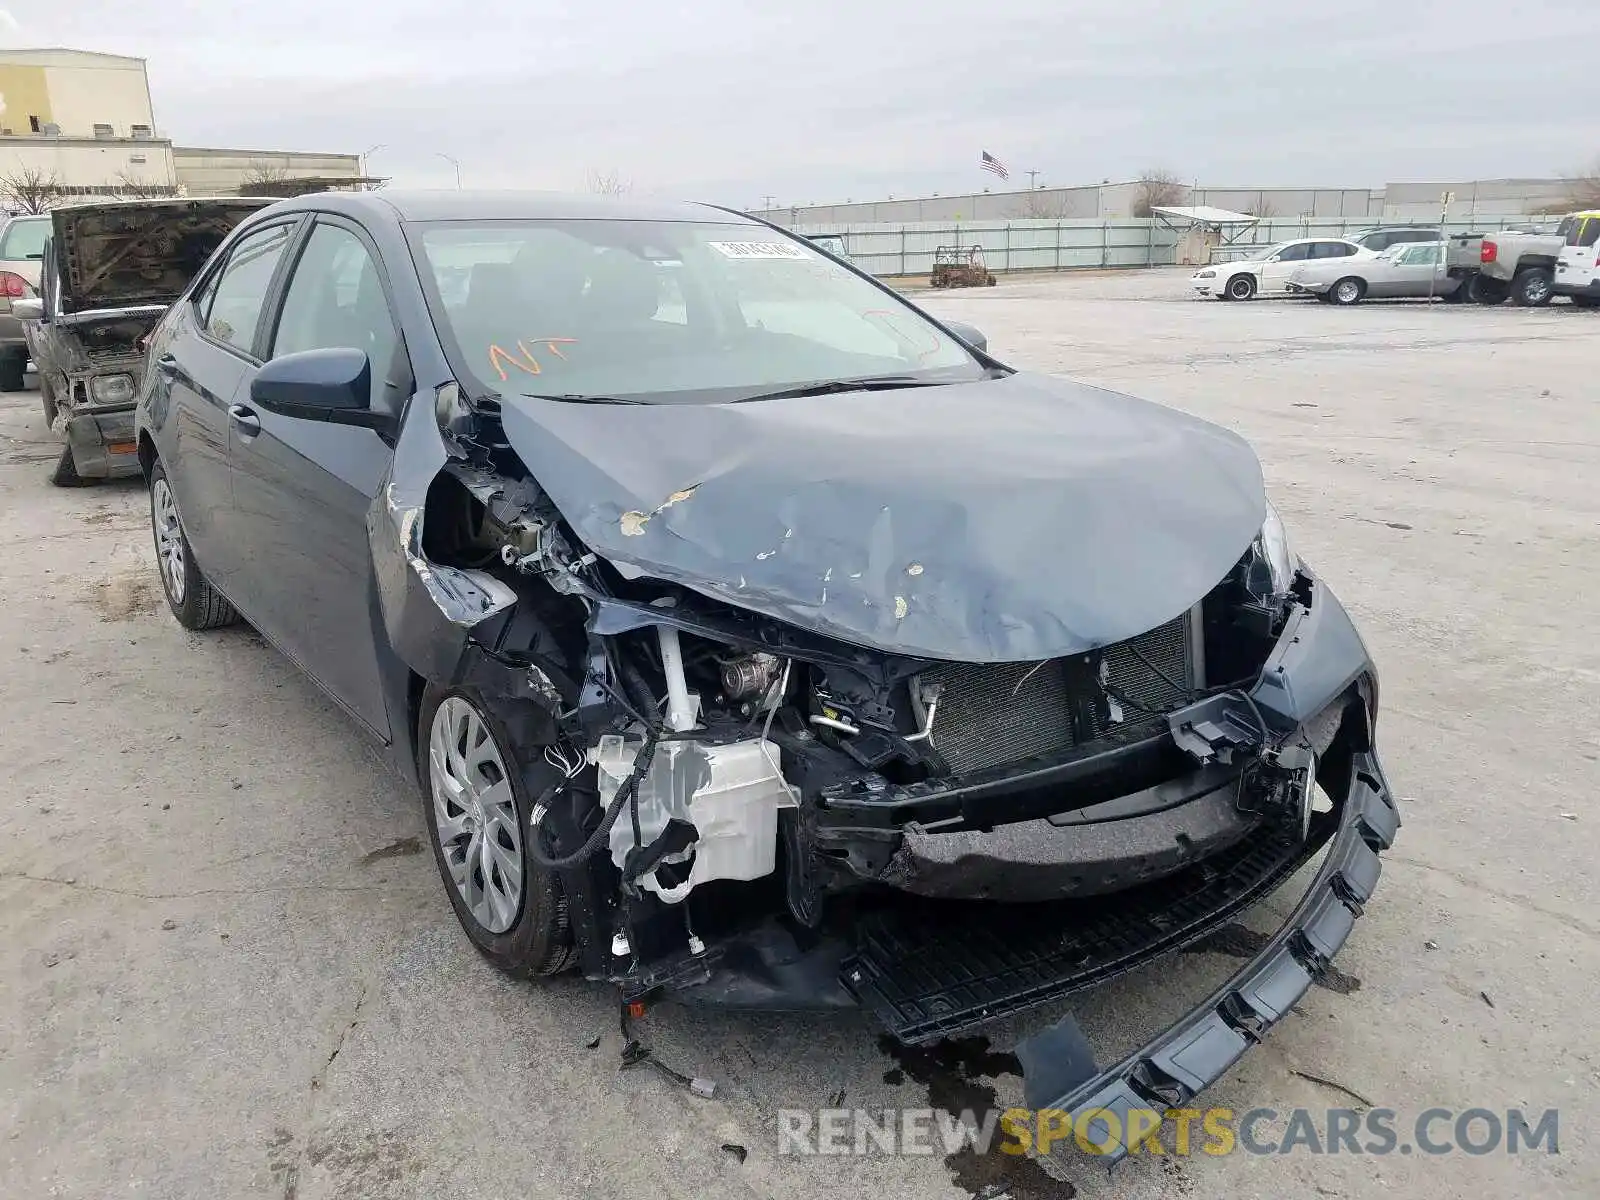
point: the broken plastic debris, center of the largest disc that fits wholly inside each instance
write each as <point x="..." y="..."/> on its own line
<point x="914" y="569"/>
<point x="899" y="608"/>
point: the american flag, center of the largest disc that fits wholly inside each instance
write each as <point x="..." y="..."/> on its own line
<point x="992" y="164"/>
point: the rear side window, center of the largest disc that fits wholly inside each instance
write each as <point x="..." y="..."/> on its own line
<point x="1590" y="233"/>
<point x="24" y="237"/>
<point x="1332" y="250"/>
<point x="232" y="309"/>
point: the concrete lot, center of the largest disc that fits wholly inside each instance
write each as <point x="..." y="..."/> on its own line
<point x="228" y="969"/>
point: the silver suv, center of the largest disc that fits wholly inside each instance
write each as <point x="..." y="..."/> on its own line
<point x="1385" y="236"/>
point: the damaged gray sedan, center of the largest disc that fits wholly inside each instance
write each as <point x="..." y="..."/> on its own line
<point x="756" y="638"/>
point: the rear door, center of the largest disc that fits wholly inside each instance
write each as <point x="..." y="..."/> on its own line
<point x="195" y="373"/>
<point x="302" y="489"/>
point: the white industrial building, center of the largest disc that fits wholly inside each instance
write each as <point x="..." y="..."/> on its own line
<point x="78" y="123"/>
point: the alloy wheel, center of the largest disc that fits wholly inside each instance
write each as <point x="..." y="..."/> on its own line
<point x="1348" y="291"/>
<point x="169" y="539"/>
<point x="475" y="814"/>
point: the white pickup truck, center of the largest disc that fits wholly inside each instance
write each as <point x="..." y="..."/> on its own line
<point x="1517" y="264"/>
<point x="1578" y="269"/>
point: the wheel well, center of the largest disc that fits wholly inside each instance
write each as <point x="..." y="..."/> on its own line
<point x="147" y="454"/>
<point x="1535" y="263"/>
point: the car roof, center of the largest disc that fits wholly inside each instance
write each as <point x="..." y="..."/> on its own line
<point x="405" y="205"/>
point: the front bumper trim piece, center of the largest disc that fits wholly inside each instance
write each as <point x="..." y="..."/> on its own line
<point x="1199" y="1049"/>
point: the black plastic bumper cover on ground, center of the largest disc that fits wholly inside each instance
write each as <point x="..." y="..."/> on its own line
<point x="1195" y="1052"/>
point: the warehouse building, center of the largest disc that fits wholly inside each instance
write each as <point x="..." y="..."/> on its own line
<point x="76" y="123"/>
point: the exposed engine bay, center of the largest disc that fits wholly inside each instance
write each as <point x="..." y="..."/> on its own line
<point x="718" y="786"/>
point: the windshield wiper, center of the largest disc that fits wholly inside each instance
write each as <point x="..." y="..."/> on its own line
<point x="581" y="398"/>
<point x="867" y="383"/>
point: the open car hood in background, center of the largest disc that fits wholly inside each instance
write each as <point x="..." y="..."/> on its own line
<point x="1011" y="520"/>
<point x="131" y="252"/>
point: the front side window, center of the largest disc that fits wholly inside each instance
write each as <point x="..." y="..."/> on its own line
<point x="1295" y="253"/>
<point x="24" y="238"/>
<point x="667" y="312"/>
<point x="335" y="299"/>
<point x="233" y="307"/>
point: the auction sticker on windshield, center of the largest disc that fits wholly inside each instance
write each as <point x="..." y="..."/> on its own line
<point x="758" y="250"/>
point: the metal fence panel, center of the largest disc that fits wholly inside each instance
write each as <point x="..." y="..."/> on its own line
<point x="1043" y="245"/>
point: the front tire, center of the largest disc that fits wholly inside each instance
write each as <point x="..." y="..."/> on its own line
<point x="1347" y="291"/>
<point x="475" y="807"/>
<point x="190" y="596"/>
<point x="1240" y="287"/>
<point x="1532" y="288"/>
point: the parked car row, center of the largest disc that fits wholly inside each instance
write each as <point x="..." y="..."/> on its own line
<point x="581" y="507"/>
<point x="1528" y="268"/>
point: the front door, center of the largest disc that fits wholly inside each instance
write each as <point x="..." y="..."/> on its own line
<point x="1277" y="271"/>
<point x="302" y="488"/>
<point x="1579" y="266"/>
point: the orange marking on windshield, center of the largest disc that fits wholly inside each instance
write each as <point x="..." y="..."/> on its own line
<point x="527" y="363"/>
<point x="550" y="344"/>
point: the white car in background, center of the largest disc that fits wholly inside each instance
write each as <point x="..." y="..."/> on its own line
<point x="1269" y="272"/>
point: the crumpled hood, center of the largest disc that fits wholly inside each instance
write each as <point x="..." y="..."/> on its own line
<point x="133" y="252"/>
<point x="1009" y="520"/>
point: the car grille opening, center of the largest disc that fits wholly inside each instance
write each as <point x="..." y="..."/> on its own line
<point x="994" y="714"/>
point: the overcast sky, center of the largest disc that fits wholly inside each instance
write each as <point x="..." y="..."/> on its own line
<point x="829" y="99"/>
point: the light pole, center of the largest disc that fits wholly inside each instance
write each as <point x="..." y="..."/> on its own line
<point x="769" y="201"/>
<point x="1032" y="175"/>
<point x="365" y="154"/>
<point x="454" y="163"/>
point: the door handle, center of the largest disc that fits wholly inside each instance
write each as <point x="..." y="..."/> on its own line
<point x="167" y="364"/>
<point x="245" y="420"/>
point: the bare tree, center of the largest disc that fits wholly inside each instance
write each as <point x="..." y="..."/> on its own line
<point x="1157" y="188"/>
<point x="1041" y="205"/>
<point x="129" y="184"/>
<point x="609" y="183"/>
<point x="262" y="175"/>
<point x="1261" y="207"/>
<point x="1586" y="187"/>
<point x="30" y="189"/>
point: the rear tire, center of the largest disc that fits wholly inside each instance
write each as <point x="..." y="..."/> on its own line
<point x="13" y="370"/>
<point x="1347" y="291"/>
<point x="461" y="791"/>
<point x="190" y="596"/>
<point x="1483" y="290"/>
<point x="1240" y="287"/>
<point x="1532" y="288"/>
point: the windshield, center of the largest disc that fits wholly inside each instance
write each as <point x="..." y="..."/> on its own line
<point x="668" y="312"/>
<point x="24" y="238"/>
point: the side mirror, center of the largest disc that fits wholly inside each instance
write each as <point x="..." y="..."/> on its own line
<point x="29" y="308"/>
<point x="320" y="385"/>
<point x="969" y="335"/>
